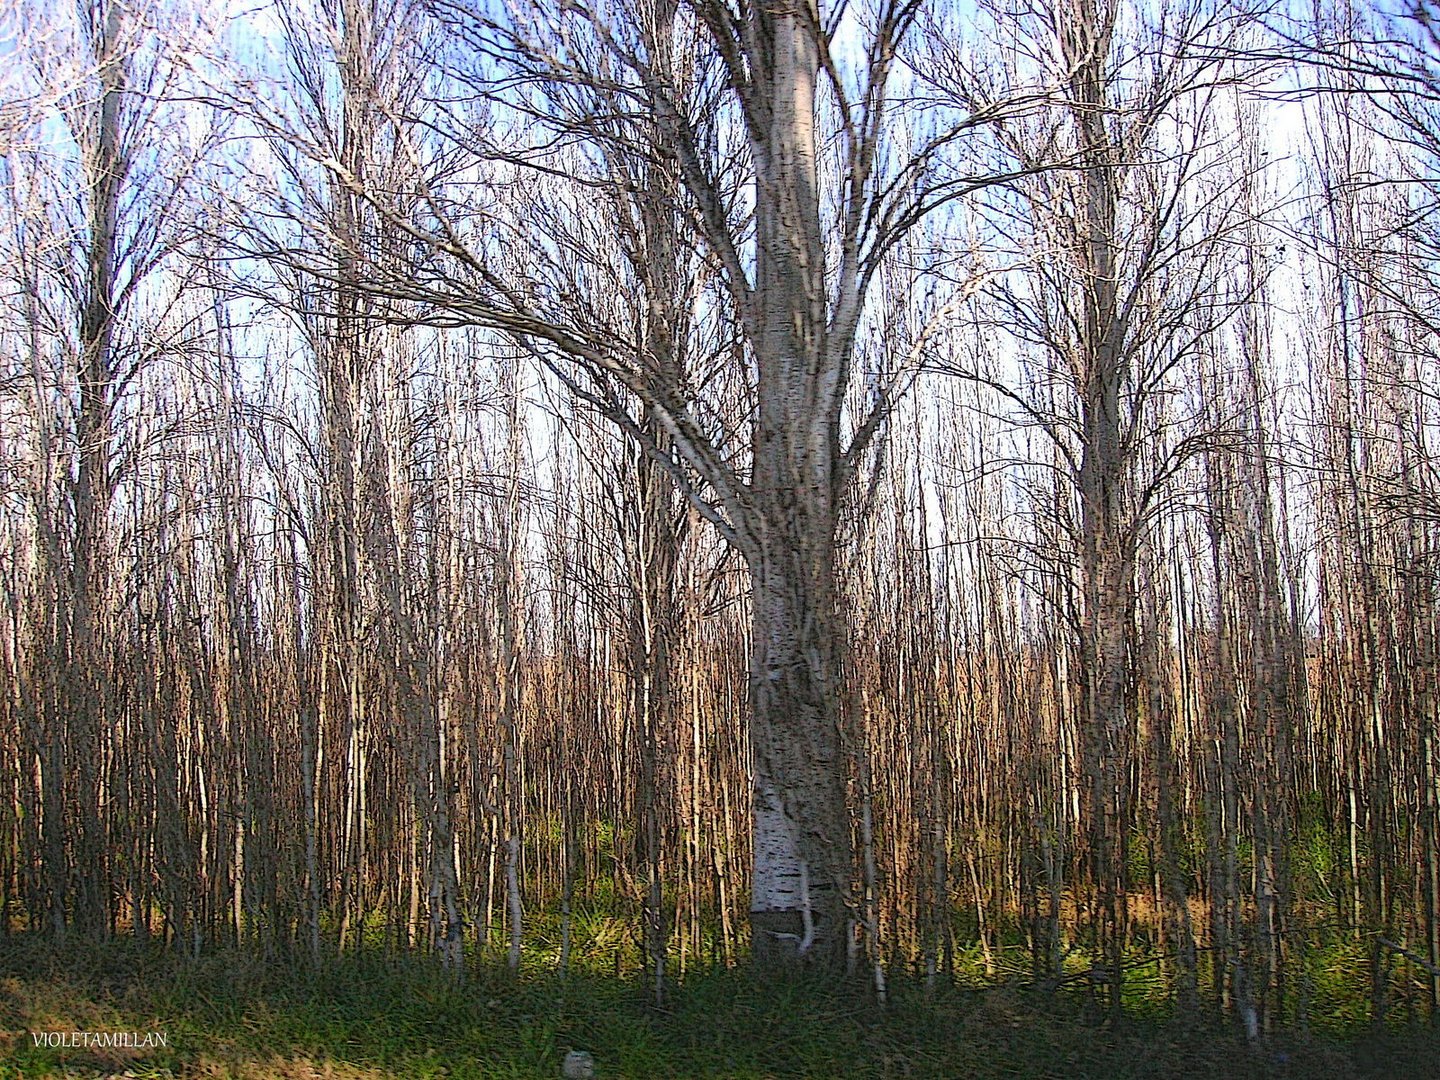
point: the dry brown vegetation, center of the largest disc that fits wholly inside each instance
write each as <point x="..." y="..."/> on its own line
<point x="400" y="557"/>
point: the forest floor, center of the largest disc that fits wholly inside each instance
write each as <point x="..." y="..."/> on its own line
<point x="232" y="1015"/>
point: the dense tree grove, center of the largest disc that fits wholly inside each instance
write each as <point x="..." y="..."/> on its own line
<point x="917" y="486"/>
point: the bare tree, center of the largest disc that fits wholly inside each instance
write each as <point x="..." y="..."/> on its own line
<point x="1122" y="247"/>
<point x="111" y="187"/>
<point x="796" y="289"/>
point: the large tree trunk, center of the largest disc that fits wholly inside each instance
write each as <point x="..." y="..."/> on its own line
<point x="801" y="825"/>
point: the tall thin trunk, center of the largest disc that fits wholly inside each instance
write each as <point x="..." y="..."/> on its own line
<point x="104" y="164"/>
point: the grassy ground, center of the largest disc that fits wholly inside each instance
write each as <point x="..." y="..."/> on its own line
<point x="231" y="1015"/>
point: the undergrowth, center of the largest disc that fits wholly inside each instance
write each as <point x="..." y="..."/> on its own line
<point x="368" y="1015"/>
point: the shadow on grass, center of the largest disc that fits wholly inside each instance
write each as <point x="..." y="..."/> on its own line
<point x="230" y="1014"/>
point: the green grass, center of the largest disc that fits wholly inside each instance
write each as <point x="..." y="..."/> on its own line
<point x="231" y="1015"/>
